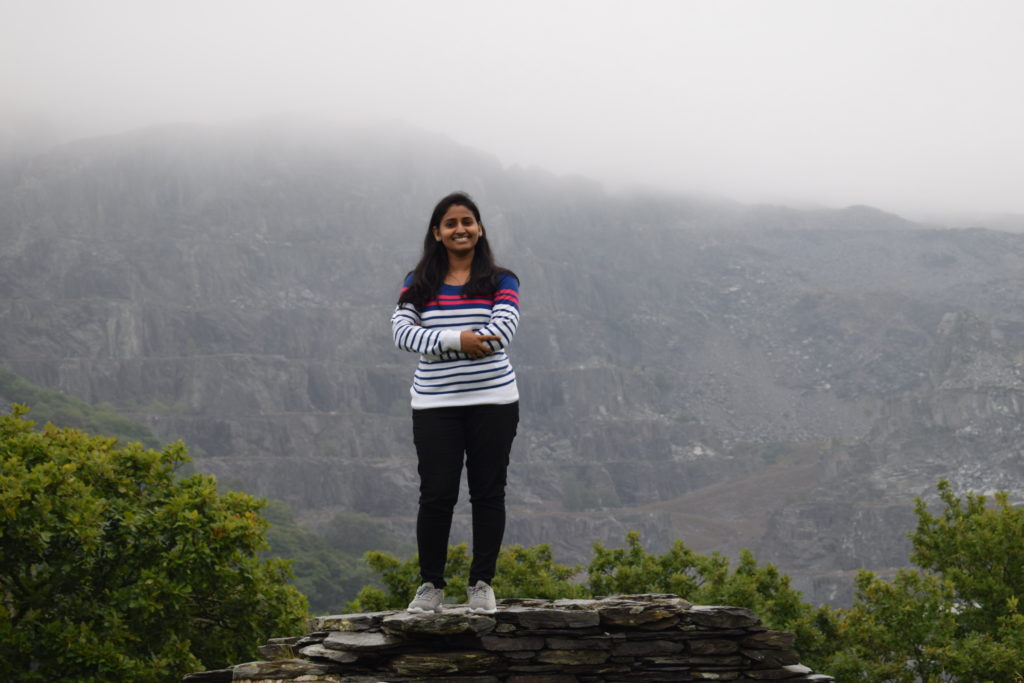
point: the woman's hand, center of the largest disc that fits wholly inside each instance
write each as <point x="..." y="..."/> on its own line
<point x="473" y="344"/>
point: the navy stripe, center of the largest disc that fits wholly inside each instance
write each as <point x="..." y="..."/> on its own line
<point x="462" y="391"/>
<point x="449" y="366"/>
<point x="478" y="381"/>
<point x="460" y="374"/>
<point x="444" y="362"/>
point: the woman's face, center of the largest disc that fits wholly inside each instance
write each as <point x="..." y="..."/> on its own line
<point x="458" y="232"/>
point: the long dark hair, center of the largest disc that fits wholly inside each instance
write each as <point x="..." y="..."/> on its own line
<point x="429" y="273"/>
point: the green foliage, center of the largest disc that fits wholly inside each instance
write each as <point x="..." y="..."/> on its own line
<point x="328" y="567"/>
<point x="112" y="569"/>
<point x="524" y="572"/>
<point x="709" y="579"/>
<point x="977" y="548"/>
<point x="896" y="629"/>
<point x="532" y="572"/>
<point x="401" y="579"/>
<point x="67" y="411"/>
<point x="958" y="618"/>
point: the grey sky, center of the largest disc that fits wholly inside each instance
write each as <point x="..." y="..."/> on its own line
<point x="911" y="106"/>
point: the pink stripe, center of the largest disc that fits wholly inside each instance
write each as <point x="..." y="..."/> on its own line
<point x="467" y="301"/>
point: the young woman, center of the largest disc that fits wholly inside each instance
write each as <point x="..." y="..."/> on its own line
<point x="459" y="311"/>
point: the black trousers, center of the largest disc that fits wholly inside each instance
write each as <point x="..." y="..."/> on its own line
<point x="482" y="434"/>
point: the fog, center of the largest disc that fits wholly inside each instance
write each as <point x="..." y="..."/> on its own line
<point x="910" y="106"/>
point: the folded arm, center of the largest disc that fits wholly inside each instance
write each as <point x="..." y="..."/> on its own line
<point x="504" y="315"/>
<point x="410" y="335"/>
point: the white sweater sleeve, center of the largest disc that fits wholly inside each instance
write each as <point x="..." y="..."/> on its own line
<point x="410" y="335"/>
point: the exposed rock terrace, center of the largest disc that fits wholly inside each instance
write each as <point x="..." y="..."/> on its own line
<point x="634" y="638"/>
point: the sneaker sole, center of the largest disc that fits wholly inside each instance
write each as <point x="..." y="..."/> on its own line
<point x="420" y="610"/>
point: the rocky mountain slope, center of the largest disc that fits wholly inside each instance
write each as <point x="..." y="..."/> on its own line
<point x="732" y="375"/>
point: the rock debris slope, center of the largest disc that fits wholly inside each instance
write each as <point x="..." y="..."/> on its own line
<point x="735" y="376"/>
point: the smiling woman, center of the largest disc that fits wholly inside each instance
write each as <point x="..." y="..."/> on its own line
<point x="459" y="311"/>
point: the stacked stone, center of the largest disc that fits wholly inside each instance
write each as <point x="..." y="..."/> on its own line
<point x="627" y="638"/>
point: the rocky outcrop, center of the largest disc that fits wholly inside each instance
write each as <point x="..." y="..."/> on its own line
<point x="635" y="638"/>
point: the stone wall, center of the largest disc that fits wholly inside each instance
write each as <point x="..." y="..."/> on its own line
<point x="637" y="638"/>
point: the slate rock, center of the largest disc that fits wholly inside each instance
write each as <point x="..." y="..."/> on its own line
<point x="273" y="651"/>
<point x="575" y="603"/>
<point x="572" y="657"/>
<point x="311" y="639"/>
<point x="321" y="652"/>
<point x="290" y="640"/>
<point x="773" y="657"/>
<point x="359" y="621"/>
<point x="360" y="641"/>
<point x="645" y="648"/>
<point x="435" y="663"/>
<point x="542" y="618"/>
<point x="507" y="643"/>
<point x="635" y="613"/>
<point x="282" y="669"/>
<point x="774" y="640"/>
<point x="588" y="643"/>
<point x="713" y="646"/>
<point x="215" y="676"/>
<point x="524" y="602"/>
<point x="717" y="616"/>
<point x="437" y="624"/>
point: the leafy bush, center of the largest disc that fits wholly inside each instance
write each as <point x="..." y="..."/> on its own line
<point x="113" y="569"/>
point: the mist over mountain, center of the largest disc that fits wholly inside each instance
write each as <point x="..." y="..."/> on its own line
<point x="732" y="375"/>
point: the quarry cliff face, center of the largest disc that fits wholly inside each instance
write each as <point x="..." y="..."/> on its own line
<point x="732" y="376"/>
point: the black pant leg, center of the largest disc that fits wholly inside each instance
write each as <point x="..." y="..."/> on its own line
<point x="490" y="430"/>
<point x="439" y="436"/>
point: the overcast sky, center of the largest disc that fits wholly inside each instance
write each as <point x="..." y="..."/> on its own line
<point x="911" y="106"/>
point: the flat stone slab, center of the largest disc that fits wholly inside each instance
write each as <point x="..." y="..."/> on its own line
<point x="770" y="640"/>
<point x="543" y="618"/>
<point x="512" y="643"/>
<point x="321" y="652"/>
<point x="359" y="621"/>
<point x="360" y="641"/>
<point x="434" y="663"/>
<point x="573" y="657"/>
<point x="273" y="651"/>
<point x="637" y="613"/>
<point x="437" y="624"/>
<point x="646" y="648"/>
<point x="214" y="676"/>
<point x="718" y="616"/>
<point x="283" y="669"/>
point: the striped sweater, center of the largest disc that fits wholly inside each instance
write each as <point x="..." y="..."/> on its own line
<point x="445" y="376"/>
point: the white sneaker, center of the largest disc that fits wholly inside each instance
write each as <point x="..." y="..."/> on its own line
<point x="481" y="598"/>
<point x="428" y="599"/>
